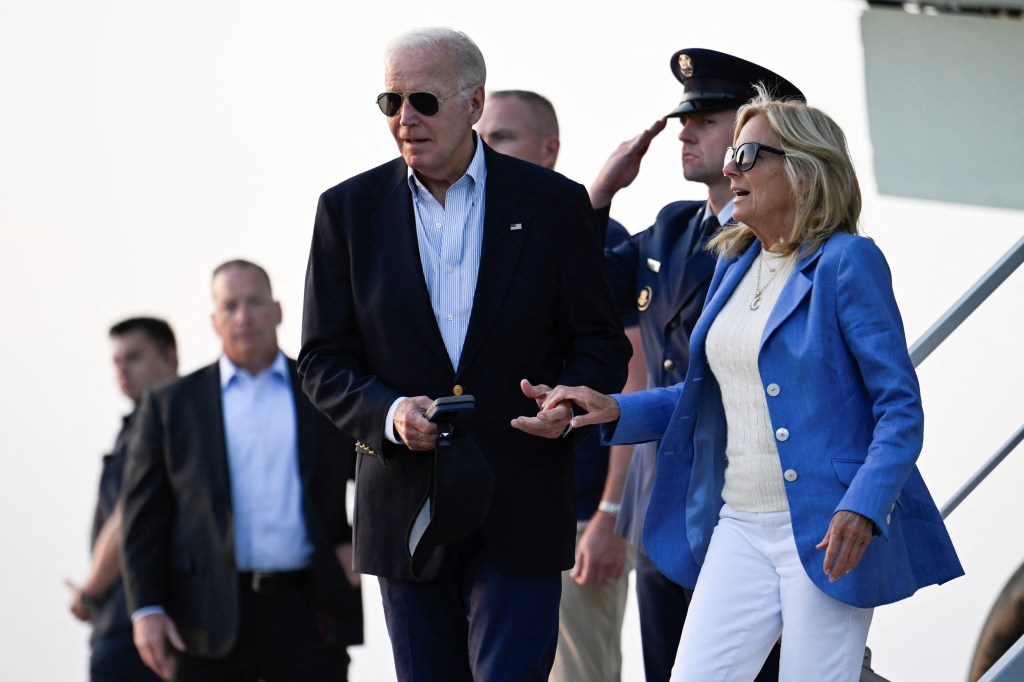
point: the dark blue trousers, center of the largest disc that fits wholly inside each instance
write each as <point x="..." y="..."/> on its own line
<point x="662" y="605"/>
<point x="472" y="622"/>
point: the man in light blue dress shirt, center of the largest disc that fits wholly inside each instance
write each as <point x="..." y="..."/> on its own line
<point x="451" y="271"/>
<point x="235" y="534"/>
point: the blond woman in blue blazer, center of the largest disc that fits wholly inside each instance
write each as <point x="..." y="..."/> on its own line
<point x="786" y="490"/>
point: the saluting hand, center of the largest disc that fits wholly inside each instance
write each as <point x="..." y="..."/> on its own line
<point x="622" y="167"/>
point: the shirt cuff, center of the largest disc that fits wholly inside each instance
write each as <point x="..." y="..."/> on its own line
<point x="389" y="423"/>
<point x="568" y="427"/>
<point x="147" y="611"/>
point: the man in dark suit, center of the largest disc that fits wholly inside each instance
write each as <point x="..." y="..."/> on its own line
<point x="235" y="537"/>
<point x="457" y="270"/>
<point x="664" y="272"/>
<point x="145" y="354"/>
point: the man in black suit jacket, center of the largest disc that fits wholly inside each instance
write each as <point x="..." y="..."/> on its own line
<point x="455" y="270"/>
<point x="235" y="536"/>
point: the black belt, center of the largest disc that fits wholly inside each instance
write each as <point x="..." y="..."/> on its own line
<point x="271" y="583"/>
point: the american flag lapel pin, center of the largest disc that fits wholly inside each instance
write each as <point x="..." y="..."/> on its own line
<point x="515" y="226"/>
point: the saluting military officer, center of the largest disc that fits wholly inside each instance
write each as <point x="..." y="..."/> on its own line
<point x="664" y="272"/>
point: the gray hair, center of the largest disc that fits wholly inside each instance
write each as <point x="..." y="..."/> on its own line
<point x="466" y="56"/>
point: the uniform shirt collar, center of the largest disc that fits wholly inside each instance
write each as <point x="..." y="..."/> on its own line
<point x="724" y="216"/>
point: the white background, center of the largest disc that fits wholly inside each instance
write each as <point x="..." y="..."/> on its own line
<point x="141" y="144"/>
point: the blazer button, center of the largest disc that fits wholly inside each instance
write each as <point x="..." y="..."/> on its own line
<point x="457" y="390"/>
<point x="772" y="390"/>
<point x="888" y="519"/>
<point x="668" y="365"/>
<point x="790" y="475"/>
<point x="782" y="434"/>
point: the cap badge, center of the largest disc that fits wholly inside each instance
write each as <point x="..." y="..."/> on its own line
<point x="685" y="66"/>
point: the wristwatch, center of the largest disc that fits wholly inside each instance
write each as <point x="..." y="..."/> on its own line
<point x="610" y="508"/>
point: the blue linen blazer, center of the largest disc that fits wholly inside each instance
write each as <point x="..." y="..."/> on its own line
<point x="846" y="409"/>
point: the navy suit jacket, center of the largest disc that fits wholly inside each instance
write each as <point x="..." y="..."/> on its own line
<point x="846" y="407"/>
<point x="542" y="311"/>
<point x="178" y="535"/>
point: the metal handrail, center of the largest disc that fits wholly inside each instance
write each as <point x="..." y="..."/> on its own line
<point x="968" y="303"/>
<point x="941" y="330"/>
<point x="982" y="473"/>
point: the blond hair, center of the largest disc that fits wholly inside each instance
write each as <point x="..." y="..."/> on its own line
<point x="818" y="166"/>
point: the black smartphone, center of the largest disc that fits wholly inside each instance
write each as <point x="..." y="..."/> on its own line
<point x="450" y="409"/>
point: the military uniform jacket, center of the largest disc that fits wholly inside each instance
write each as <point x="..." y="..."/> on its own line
<point x="663" y="272"/>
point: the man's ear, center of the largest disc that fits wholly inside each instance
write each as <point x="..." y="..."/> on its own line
<point x="476" y="105"/>
<point x="549" y="150"/>
<point x="171" y="358"/>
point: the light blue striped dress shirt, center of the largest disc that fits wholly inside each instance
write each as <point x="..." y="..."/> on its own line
<point x="450" y="238"/>
<point x="263" y="455"/>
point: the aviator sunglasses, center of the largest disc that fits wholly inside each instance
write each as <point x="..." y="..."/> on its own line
<point x="427" y="103"/>
<point x="745" y="155"/>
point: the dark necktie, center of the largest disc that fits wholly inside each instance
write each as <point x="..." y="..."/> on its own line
<point x="708" y="228"/>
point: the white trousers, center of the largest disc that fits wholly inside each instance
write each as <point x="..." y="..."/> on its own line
<point x="752" y="588"/>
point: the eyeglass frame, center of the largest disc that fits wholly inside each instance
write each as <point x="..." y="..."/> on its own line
<point x="730" y="154"/>
<point x="404" y="97"/>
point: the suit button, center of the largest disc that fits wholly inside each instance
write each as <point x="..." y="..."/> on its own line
<point x="668" y="365"/>
<point x="773" y="390"/>
<point x="790" y="475"/>
<point x="888" y="519"/>
<point x="782" y="434"/>
<point x="673" y="324"/>
<point x="457" y="390"/>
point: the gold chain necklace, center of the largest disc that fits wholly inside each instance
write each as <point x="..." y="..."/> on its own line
<point x="755" y="302"/>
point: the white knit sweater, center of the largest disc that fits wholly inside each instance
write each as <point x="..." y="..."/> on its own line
<point x="753" y="478"/>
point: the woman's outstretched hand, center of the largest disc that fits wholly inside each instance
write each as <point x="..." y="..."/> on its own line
<point x="554" y="407"/>
<point x="599" y="408"/>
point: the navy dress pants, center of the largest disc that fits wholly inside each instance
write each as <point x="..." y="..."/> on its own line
<point x="472" y="622"/>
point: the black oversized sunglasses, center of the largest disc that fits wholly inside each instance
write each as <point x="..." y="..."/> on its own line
<point x="427" y="103"/>
<point x="745" y="155"/>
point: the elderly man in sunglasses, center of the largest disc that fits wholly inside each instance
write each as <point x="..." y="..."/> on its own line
<point x="457" y="271"/>
<point x="664" y="273"/>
